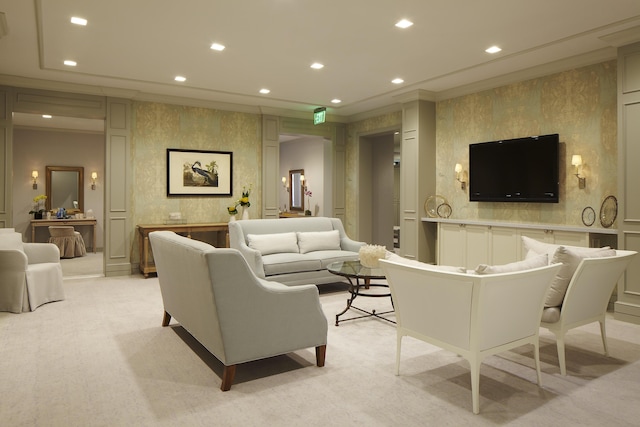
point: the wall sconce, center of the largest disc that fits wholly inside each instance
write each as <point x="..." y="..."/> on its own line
<point x="94" y="176"/>
<point x="284" y="183"/>
<point x="34" y="175"/>
<point x="576" y="160"/>
<point x="460" y="176"/>
<point x="302" y="181"/>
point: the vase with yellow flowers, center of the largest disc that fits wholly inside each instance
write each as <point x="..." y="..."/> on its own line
<point x="38" y="206"/>
<point x="244" y="202"/>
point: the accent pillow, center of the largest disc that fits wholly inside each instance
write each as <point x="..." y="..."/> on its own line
<point x="310" y="241"/>
<point x="414" y="263"/>
<point x="273" y="243"/>
<point x="537" y="247"/>
<point x="527" y="264"/>
<point x="570" y="257"/>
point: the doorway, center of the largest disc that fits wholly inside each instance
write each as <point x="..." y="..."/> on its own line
<point x="379" y="188"/>
<point x="61" y="141"/>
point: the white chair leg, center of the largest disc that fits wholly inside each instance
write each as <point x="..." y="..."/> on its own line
<point x="475" y="384"/>
<point x="398" y="346"/>
<point x="536" y="355"/>
<point x="561" y="359"/>
<point x="603" y="333"/>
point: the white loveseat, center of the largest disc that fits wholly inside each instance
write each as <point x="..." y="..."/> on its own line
<point x="473" y="315"/>
<point x="232" y="313"/>
<point x="293" y="251"/>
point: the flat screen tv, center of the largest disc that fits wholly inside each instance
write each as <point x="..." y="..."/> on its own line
<point x="515" y="170"/>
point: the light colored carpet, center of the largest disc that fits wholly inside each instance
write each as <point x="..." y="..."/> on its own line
<point x="101" y="358"/>
<point x="89" y="265"/>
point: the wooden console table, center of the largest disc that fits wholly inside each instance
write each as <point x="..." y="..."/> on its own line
<point x="75" y="222"/>
<point x="147" y="266"/>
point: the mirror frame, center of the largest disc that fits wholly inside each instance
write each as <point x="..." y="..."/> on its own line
<point x="292" y="174"/>
<point x="80" y="171"/>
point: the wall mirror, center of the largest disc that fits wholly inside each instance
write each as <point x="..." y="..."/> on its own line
<point x="65" y="188"/>
<point x="296" y="190"/>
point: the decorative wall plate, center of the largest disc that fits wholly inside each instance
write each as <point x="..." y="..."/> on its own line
<point x="588" y="216"/>
<point x="444" y="210"/>
<point x="431" y="205"/>
<point x="608" y="211"/>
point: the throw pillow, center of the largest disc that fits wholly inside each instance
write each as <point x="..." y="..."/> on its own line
<point x="570" y="257"/>
<point x="534" y="247"/>
<point x="527" y="264"/>
<point x="273" y="243"/>
<point x="310" y="241"/>
<point x="414" y="263"/>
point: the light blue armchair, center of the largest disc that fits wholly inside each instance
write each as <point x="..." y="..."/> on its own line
<point x="238" y="317"/>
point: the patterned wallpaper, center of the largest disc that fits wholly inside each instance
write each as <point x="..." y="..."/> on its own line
<point x="156" y="127"/>
<point x="579" y="105"/>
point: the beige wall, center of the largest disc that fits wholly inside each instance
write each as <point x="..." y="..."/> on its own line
<point x="579" y="105"/>
<point x="156" y="127"/>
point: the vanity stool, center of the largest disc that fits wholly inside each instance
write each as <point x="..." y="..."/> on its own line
<point x="69" y="241"/>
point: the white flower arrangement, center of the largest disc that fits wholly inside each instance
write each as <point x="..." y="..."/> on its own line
<point x="370" y="254"/>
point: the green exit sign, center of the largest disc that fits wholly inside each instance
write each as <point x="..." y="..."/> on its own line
<point x="319" y="115"/>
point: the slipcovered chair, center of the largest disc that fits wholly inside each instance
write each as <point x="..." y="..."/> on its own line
<point x="69" y="241"/>
<point x="30" y="274"/>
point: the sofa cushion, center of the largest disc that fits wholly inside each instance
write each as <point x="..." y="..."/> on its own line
<point x="328" y="257"/>
<point x="412" y="262"/>
<point x="570" y="257"/>
<point x="310" y="241"/>
<point x="273" y="243"/>
<point x="283" y="263"/>
<point x="527" y="264"/>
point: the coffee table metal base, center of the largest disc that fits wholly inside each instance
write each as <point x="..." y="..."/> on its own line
<point x="354" y="290"/>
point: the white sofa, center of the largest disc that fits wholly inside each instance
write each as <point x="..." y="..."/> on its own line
<point x="235" y="315"/>
<point x="470" y="314"/>
<point x="293" y="251"/>
<point x="30" y="273"/>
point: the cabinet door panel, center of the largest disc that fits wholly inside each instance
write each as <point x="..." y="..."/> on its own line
<point x="504" y="245"/>
<point x="451" y="241"/>
<point x="477" y="249"/>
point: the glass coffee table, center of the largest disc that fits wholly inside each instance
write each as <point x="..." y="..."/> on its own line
<point x="360" y="278"/>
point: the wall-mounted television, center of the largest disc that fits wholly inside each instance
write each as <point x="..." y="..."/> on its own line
<point x="515" y="170"/>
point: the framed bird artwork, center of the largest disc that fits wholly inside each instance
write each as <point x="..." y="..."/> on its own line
<point x="199" y="172"/>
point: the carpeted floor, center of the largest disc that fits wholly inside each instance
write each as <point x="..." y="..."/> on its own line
<point x="101" y="358"/>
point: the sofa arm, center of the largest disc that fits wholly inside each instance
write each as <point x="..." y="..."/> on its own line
<point x="38" y="253"/>
<point x="254" y="259"/>
<point x="347" y="244"/>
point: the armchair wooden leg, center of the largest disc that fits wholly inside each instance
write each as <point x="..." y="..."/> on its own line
<point x="321" y="352"/>
<point x="227" y="377"/>
<point x="166" y="319"/>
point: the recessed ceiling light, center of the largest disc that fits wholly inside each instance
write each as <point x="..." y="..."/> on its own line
<point x="78" y="21"/>
<point x="336" y="101"/>
<point x="70" y="63"/>
<point x="264" y="91"/>
<point x="397" y="81"/>
<point x="46" y="116"/>
<point x="317" y="66"/>
<point x="180" y="79"/>
<point x="217" y="46"/>
<point x="404" y="23"/>
<point x="493" y="49"/>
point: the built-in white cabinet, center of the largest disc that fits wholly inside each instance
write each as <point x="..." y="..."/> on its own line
<point x="468" y="244"/>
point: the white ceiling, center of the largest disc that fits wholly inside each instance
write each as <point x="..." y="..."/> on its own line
<point x="134" y="49"/>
